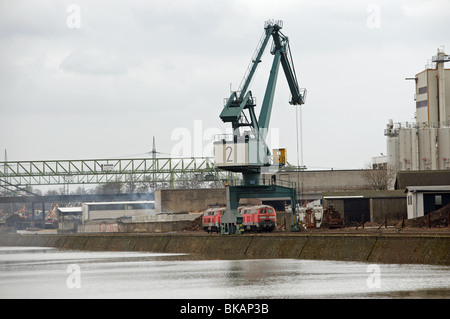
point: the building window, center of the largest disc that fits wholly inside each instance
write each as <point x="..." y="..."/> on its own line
<point x="438" y="200"/>
<point x="423" y="90"/>
<point x="421" y="103"/>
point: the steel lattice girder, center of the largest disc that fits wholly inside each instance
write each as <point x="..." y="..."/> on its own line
<point x="98" y="171"/>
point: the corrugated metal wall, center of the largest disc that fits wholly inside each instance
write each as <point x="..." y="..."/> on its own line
<point x="373" y="209"/>
<point x="393" y="208"/>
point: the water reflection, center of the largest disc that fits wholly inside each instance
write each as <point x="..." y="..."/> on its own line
<point x="43" y="273"/>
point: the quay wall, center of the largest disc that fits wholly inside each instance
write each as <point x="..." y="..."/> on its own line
<point x="401" y="249"/>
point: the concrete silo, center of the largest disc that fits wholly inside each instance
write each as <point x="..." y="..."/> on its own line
<point x="424" y="145"/>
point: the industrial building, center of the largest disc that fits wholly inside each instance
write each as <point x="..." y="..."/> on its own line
<point x="422" y="200"/>
<point x="422" y="178"/>
<point x="311" y="183"/>
<point x="368" y="205"/>
<point x="424" y="145"/>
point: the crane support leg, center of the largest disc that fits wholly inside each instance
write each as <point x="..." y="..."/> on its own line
<point x="231" y="220"/>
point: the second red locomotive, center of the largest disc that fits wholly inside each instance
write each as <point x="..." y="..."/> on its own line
<point x="259" y="218"/>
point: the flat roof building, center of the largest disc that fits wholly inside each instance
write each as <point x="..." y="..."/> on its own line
<point x="421" y="200"/>
<point x="422" y="178"/>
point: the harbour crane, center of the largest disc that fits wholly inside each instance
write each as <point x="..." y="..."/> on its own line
<point x="245" y="150"/>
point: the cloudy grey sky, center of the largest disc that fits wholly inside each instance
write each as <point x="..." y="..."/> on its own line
<point x="103" y="85"/>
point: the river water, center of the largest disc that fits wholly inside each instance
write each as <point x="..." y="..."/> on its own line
<point x="38" y="272"/>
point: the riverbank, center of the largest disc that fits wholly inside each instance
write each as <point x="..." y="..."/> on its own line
<point x="392" y="248"/>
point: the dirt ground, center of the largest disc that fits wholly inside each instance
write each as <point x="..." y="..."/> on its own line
<point x="438" y="218"/>
<point x="195" y="225"/>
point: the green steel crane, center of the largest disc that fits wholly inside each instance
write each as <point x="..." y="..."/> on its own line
<point x="246" y="151"/>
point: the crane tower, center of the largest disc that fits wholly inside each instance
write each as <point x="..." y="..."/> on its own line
<point x="245" y="150"/>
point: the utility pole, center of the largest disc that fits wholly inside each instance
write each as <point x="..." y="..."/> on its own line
<point x="154" y="163"/>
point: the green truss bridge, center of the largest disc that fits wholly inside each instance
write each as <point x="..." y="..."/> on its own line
<point x="160" y="172"/>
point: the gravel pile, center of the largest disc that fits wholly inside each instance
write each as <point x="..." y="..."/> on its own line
<point x="195" y="225"/>
<point x="438" y="218"/>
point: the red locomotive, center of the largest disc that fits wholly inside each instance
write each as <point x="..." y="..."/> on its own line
<point x="211" y="219"/>
<point x="259" y="218"/>
<point x="255" y="218"/>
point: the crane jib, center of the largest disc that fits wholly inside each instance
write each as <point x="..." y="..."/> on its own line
<point x="242" y="99"/>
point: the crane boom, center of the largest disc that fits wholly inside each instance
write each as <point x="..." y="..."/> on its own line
<point x="256" y="59"/>
<point x="242" y="100"/>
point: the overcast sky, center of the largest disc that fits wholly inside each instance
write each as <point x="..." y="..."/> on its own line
<point x="99" y="79"/>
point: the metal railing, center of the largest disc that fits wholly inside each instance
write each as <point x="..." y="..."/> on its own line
<point x="266" y="182"/>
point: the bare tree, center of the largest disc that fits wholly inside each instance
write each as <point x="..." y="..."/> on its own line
<point x="80" y="190"/>
<point x="380" y="178"/>
<point x="109" y="188"/>
<point x="54" y="192"/>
